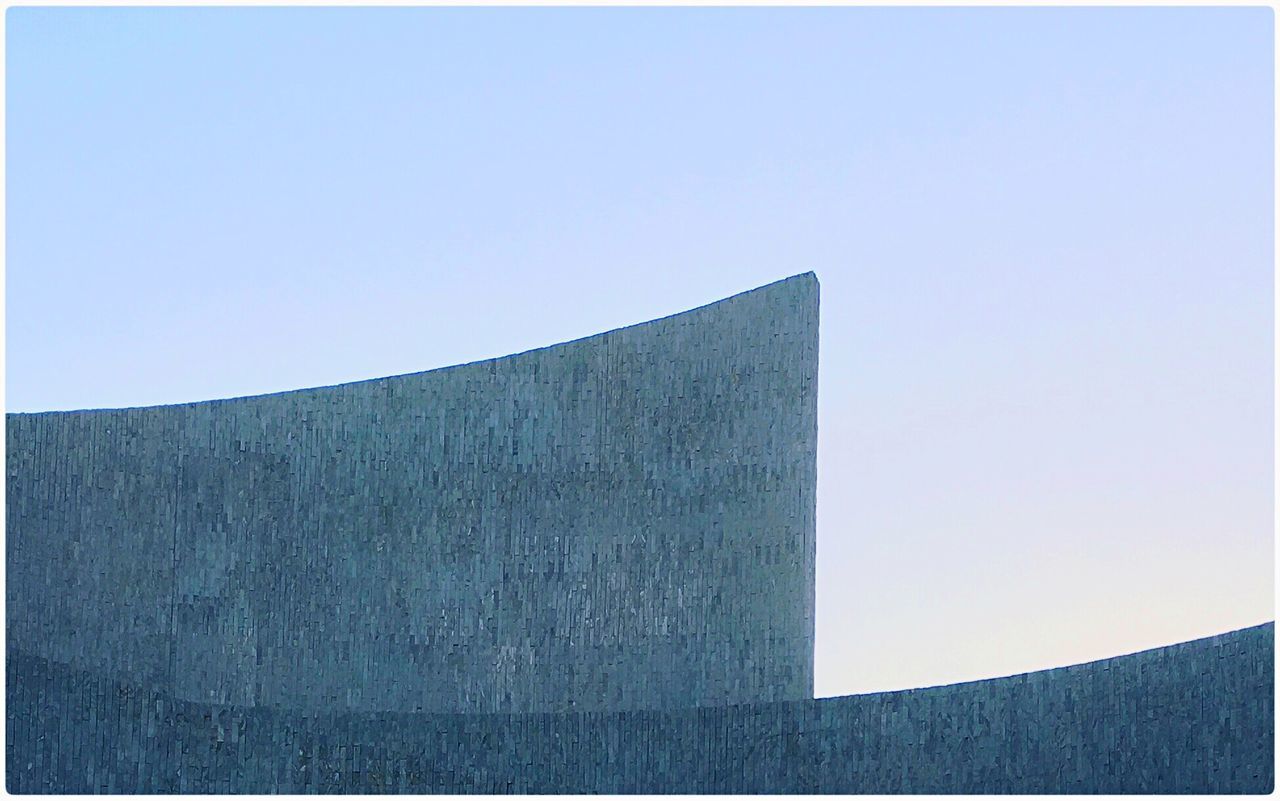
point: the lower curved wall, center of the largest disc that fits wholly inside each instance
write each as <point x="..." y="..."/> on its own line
<point x="1196" y="717"/>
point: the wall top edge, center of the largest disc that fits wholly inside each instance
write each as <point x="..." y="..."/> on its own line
<point x="806" y="280"/>
<point x="1260" y="634"/>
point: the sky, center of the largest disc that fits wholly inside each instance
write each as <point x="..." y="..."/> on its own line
<point x="1044" y="238"/>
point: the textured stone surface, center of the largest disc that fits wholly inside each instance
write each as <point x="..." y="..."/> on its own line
<point x="586" y="568"/>
<point x="1195" y="717"/>
<point x="621" y="522"/>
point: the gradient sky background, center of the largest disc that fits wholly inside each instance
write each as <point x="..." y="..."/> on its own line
<point x="1044" y="238"/>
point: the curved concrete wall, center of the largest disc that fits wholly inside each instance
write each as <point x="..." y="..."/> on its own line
<point x="621" y="522"/>
<point x="606" y="545"/>
<point x="1191" y="718"/>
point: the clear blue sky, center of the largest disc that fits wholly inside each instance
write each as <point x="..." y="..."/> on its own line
<point x="1044" y="238"/>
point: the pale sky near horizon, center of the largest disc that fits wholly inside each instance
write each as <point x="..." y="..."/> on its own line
<point x="1044" y="238"/>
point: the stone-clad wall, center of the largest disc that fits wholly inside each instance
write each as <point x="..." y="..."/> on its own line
<point x="621" y="522"/>
<point x="586" y="568"/>
<point x="1196" y="717"/>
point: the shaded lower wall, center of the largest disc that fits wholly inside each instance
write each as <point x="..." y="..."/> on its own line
<point x="1194" y="717"/>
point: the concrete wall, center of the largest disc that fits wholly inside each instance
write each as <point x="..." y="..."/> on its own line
<point x="1196" y="717"/>
<point x="607" y="545"/>
<point x="620" y="522"/>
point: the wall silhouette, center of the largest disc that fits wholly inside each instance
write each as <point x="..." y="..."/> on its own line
<point x="605" y="546"/>
<point x="621" y="522"/>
